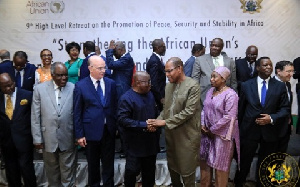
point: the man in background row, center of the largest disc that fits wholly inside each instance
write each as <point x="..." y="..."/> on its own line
<point x="156" y="69"/>
<point x="21" y="72"/>
<point x="204" y="66"/>
<point x="88" y="51"/>
<point x="198" y="50"/>
<point x="245" y="67"/>
<point x="4" y="56"/>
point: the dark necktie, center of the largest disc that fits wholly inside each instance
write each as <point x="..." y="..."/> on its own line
<point x="251" y="70"/>
<point x="18" y="79"/>
<point x="263" y="93"/>
<point x="100" y="93"/>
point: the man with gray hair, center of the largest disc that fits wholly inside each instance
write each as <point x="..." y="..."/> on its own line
<point x="52" y="126"/>
<point x="4" y="56"/>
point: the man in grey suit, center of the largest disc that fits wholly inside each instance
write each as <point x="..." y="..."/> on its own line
<point x="204" y="66"/>
<point x="52" y="126"/>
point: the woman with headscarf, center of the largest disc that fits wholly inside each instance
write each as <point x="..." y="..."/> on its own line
<point x="219" y="127"/>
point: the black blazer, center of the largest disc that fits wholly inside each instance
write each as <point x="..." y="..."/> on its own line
<point x="29" y="74"/>
<point x="156" y="70"/>
<point x="243" y="72"/>
<point x="17" y="130"/>
<point x="276" y="105"/>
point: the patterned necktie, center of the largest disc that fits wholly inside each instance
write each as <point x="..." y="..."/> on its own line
<point x="216" y="62"/>
<point x="9" y="107"/>
<point x="18" y="79"/>
<point x="251" y="70"/>
<point x="100" y="92"/>
<point x="263" y="93"/>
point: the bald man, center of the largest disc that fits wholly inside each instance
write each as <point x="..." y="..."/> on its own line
<point x="15" y="133"/>
<point x="4" y="56"/>
<point x="136" y="106"/>
<point x="95" y="104"/>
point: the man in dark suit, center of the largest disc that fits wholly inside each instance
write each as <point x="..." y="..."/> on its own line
<point x="4" y="56"/>
<point x="296" y="63"/>
<point x="95" y="103"/>
<point x="136" y="106"/>
<point x="156" y="69"/>
<point x="263" y="103"/>
<point x="245" y="67"/>
<point x="22" y="72"/>
<point x="122" y="68"/>
<point x="198" y="50"/>
<point x="88" y="51"/>
<point x="15" y="133"/>
<point x="284" y="70"/>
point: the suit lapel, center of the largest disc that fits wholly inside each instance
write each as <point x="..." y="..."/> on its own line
<point x="210" y="63"/>
<point x="51" y="94"/>
<point x="270" y="88"/>
<point x="254" y="90"/>
<point x="64" y="94"/>
<point x="2" y="103"/>
<point x="107" y="88"/>
<point x="17" y="104"/>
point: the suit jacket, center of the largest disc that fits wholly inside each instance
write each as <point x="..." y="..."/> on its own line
<point x="122" y="71"/>
<point x="51" y="124"/>
<point x="17" y="131"/>
<point x="29" y="74"/>
<point x="183" y="127"/>
<point x="276" y="105"/>
<point x="156" y="69"/>
<point x="202" y="69"/>
<point x="90" y="113"/>
<point x="243" y="72"/>
<point x="188" y="66"/>
<point x="84" y="70"/>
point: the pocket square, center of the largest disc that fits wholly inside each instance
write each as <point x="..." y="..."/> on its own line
<point x="24" y="102"/>
<point x="29" y="77"/>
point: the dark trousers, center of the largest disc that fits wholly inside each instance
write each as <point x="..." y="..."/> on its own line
<point x="283" y="143"/>
<point x="248" y="149"/>
<point x="18" y="164"/>
<point x="104" y="150"/>
<point x="135" y="165"/>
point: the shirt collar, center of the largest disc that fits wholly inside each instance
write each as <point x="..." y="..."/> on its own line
<point x="157" y="55"/>
<point x="95" y="80"/>
<point x="57" y="87"/>
<point x="277" y="78"/>
<point x="260" y="80"/>
<point x="13" y="94"/>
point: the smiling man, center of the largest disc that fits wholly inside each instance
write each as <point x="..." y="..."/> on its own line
<point x="52" y="126"/>
<point x="204" y="66"/>
<point x="181" y="116"/>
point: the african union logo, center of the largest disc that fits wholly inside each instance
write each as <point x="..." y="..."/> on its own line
<point x="279" y="169"/>
<point x="57" y="6"/>
<point x="251" y="6"/>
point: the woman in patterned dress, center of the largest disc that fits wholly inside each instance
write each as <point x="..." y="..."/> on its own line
<point x="43" y="73"/>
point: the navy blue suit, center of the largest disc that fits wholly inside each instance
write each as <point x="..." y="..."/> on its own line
<point x="142" y="146"/>
<point x="29" y="74"/>
<point x="16" y="140"/>
<point x="252" y="134"/>
<point x="97" y="123"/>
<point x="156" y="69"/>
<point x="122" y="71"/>
<point x="243" y="72"/>
<point x="84" y="70"/>
<point x="188" y="66"/>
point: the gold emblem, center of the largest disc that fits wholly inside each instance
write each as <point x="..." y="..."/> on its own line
<point x="279" y="169"/>
<point x="24" y="102"/>
<point x="251" y="6"/>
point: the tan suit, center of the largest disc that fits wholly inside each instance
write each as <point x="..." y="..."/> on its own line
<point x="183" y="127"/>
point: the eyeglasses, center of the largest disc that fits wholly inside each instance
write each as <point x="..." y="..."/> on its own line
<point x="61" y="75"/>
<point x="47" y="55"/>
<point x="290" y="71"/>
<point x="252" y="55"/>
<point x="100" y="68"/>
<point x="170" y="70"/>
